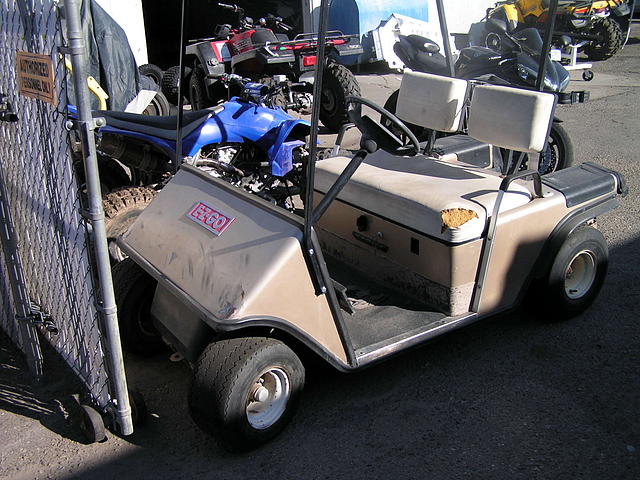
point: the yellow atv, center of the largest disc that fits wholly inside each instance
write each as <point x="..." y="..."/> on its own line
<point x="589" y="23"/>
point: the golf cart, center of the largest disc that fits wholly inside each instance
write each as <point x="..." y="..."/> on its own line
<point x="395" y="248"/>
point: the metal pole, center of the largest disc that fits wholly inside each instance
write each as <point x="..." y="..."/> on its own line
<point x="444" y="30"/>
<point x="107" y="303"/>
<point x="315" y="120"/>
<point x="183" y="53"/>
<point x="548" y="35"/>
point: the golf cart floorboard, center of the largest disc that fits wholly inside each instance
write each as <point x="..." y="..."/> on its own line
<point x="384" y="319"/>
<point x="377" y="324"/>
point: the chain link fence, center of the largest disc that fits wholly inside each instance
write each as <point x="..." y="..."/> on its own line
<point x="45" y="204"/>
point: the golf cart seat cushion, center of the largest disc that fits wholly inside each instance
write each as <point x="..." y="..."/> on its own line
<point x="511" y="118"/>
<point x="416" y="191"/>
<point x="159" y="126"/>
<point x="432" y="101"/>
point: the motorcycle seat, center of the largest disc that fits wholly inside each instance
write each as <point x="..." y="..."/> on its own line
<point x="158" y="126"/>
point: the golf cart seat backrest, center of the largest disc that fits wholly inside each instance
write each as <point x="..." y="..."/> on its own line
<point x="432" y="101"/>
<point x="511" y="118"/>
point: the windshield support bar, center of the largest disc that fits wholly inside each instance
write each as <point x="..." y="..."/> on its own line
<point x="315" y="120"/>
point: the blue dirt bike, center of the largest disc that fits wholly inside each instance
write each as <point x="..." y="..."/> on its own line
<point x="244" y="141"/>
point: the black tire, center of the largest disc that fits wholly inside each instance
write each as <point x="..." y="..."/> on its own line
<point x="225" y="378"/>
<point x="277" y="100"/>
<point x="559" y="152"/>
<point x="612" y="39"/>
<point x="198" y="95"/>
<point x="421" y="133"/>
<point x="588" y="75"/>
<point x="566" y="292"/>
<point x="170" y="84"/>
<point x="134" y="289"/>
<point x="92" y="424"/>
<point x="337" y="84"/>
<point x="121" y="208"/>
<point x="112" y="174"/>
<point x="139" y="412"/>
<point x="153" y="71"/>
<point x="159" y="106"/>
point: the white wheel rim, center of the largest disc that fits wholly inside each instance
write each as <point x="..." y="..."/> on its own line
<point x="267" y="399"/>
<point x="580" y="274"/>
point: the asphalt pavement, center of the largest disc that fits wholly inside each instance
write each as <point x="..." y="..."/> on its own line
<point x="513" y="397"/>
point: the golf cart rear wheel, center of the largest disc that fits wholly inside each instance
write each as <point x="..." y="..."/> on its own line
<point x="611" y="39"/>
<point x="121" y="208"/>
<point x="576" y="275"/>
<point x="338" y="83"/>
<point x="245" y="390"/>
<point x="134" y="290"/>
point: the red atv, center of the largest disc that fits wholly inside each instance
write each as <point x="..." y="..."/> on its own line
<point x="254" y="51"/>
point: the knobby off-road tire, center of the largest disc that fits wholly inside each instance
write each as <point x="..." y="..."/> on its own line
<point x="134" y="289"/>
<point x="153" y="71"/>
<point x="121" y="208"/>
<point x="170" y="83"/>
<point x="576" y="275"/>
<point x="198" y="93"/>
<point x="337" y="84"/>
<point x="612" y="39"/>
<point x="277" y="100"/>
<point x="229" y="378"/>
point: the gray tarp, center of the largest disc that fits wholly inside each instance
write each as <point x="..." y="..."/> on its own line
<point x="111" y="61"/>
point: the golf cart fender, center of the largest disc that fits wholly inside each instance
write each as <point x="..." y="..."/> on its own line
<point x="586" y="213"/>
<point x="279" y="328"/>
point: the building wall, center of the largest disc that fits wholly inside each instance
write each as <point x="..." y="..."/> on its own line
<point x="128" y="14"/>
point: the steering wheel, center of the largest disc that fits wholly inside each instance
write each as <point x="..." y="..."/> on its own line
<point x="382" y="136"/>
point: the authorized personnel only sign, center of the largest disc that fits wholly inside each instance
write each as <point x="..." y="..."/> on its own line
<point x="35" y="76"/>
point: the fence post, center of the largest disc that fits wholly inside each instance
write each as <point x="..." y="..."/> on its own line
<point x="107" y="303"/>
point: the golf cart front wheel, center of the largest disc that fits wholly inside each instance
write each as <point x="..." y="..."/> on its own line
<point x="245" y="390"/>
<point x="134" y="290"/>
<point x="577" y="274"/>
